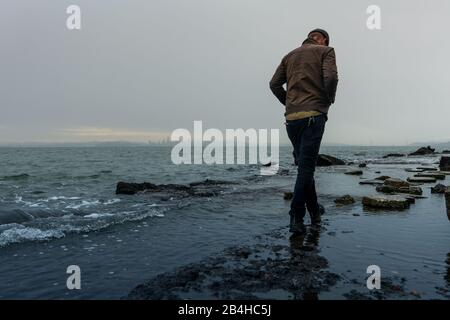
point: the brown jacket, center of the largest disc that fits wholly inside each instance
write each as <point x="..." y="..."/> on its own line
<point x="311" y="75"/>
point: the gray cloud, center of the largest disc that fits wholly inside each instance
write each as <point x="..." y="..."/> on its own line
<point x="153" y="66"/>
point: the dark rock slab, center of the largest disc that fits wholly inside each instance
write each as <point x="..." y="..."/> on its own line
<point x="344" y="200"/>
<point x="447" y="201"/>
<point x="394" y="190"/>
<point x="354" y="172"/>
<point x="435" y="174"/>
<point x="288" y="195"/>
<point x="423" y="151"/>
<point x="396" y="183"/>
<point x="427" y="168"/>
<point x="206" y="188"/>
<point x="414" y="170"/>
<point x="274" y="266"/>
<point x="444" y="164"/>
<point x="386" y="202"/>
<point x="421" y="179"/>
<point x="326" y="160"/>
<point x="371" y="182"/>
<point x="394" y="155"/>
<point x="439" y="188"/>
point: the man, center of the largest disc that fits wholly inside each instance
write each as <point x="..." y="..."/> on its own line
<point x="310" y="73"/>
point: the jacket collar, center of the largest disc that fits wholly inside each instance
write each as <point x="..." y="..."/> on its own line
<point x="310" y="41"/>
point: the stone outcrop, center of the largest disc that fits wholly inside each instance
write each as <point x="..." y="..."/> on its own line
<point x="437" y="175"/>
<point x="447" y="201"/>
<point x="393" y="186"/>
<point x="354" y="172"/>
<point x="439" y="188"/>
<point x="394" y="155"/>
<point x="288" y="195"/>
<point x="326" y="160"/>
<point x="421" y="179"/>
<point x="444" y="164"/>
<point x="386" y="202"/>
<point x="204" y="188"/>
<point x="371" y="182"/>
<point x="344" y="200"/>
<point x="422" y="151"/>
<point x="397" y="183"/>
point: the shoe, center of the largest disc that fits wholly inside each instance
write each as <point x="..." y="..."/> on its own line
<point x="296" y="226"/>
<point x="316" y="218"/>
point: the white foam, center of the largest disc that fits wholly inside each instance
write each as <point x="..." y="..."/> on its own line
<point x="98" y="215"/>
<point x="20" y="234"/>
<point x="112" y="201"/>
<point x="84" y="203"/>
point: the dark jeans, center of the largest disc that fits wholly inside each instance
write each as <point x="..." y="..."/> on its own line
<point x="306" y="135"/>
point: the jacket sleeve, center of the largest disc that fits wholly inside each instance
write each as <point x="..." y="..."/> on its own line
<point x="330" y="74"/>
<point x="277" y="82"/>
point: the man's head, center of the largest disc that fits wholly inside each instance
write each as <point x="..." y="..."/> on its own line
<point x="320" y="36"/>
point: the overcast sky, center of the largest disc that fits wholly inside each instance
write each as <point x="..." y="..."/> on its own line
<point x="139" y="69"/>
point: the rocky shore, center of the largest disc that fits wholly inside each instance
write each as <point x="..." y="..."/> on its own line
<point x="277" y="266"/>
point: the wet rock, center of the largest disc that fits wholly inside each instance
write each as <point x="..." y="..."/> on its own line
<point x="421" y="179"/>
<point x="411" y="200"/>
<point x="414" y="170"/>
<point x="133" y="188"/>
<point x="427" y="168"/>
<point x="436" y="175"/>
<point x="393" y="190"/>
<point x="354" y="172"/>
<point x="422" y="151"/>
<point x="439" y="188"/>
<point x="382" y="178"/>
<point x="393" y="186"/>
<point x="209" y="182"/>
<point x="371" y="182"/>
<point x="394" y="155"/>
<point x="326" y="160"/>
<point x="445" y="152"/>
<point x="447" y="201"/>
<point x="396" y="183"/>
<point x="344" y="200"/>
<point x="391" y="289"/>
<point x="295" y="270"/>
<point x="444" y="164"/>
<point x="362" y="165"/>
<point x="288" y="195"/>
<point x="386" y="202"/>
<point x="204" y="188"/>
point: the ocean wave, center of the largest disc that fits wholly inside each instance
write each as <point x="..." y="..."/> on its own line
<point x="21" y="234"/>
<point x="58" y="227"/>
<point x="21" y="176"/>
